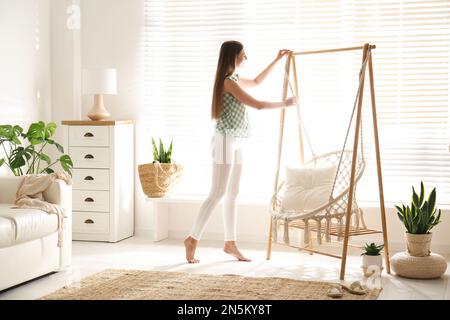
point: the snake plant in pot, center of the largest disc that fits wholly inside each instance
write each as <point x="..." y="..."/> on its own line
<point x="162" y="175"/>
<point x="419" y="219"/>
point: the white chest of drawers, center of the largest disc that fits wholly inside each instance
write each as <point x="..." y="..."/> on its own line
<point x="103" y="178"/>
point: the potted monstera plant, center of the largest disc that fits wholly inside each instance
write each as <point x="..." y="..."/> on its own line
<point x="419" y="219"/>
<point x="26" y="152"/>
<point x="162" y="175"/>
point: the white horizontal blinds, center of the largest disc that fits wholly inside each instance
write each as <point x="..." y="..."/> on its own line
<point x="182" y="41"/>
<point x="274" y="25"/>
<point x="291" y="25"/>
<point x="411" y="65"/>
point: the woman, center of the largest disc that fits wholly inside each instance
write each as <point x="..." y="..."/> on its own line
<point x="231" y="128"/>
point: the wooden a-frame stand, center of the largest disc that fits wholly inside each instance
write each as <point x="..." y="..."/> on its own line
<point x="367" y="53"/>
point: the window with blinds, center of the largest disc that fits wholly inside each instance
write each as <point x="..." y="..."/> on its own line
<point x="411" y="66"/>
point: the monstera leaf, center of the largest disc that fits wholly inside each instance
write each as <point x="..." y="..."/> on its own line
<point x="32" y="158"/>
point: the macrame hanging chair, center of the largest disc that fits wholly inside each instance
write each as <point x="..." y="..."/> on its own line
<point x="340" y="217"/>
<point x="321" y="218"/>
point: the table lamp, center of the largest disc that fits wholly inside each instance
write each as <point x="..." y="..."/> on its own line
<point x="98" y="82"/>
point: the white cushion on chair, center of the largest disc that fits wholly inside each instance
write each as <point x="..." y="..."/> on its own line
<point x="307" y="188"/>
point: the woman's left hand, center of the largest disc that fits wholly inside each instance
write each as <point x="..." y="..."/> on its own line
<point x="282" y="53"/>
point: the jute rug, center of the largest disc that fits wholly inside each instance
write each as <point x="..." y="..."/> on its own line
<point x="157" y="285"/>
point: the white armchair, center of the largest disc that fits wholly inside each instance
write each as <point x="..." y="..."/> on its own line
<point x="29" y="237"/>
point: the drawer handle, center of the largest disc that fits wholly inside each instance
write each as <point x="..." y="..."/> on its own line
<point x="89" y="156"/>
<point x="88" y="135"/>
<point x="89" y="199"/>
<point x="89" y="221"/>
<point x="89" y="178"/>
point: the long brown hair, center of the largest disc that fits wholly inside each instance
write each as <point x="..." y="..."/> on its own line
<point x="225" y="67"/>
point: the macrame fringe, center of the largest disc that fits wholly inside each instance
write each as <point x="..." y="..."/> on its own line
<point x="319" y="231"/>
<point x="328" y="230"/>
<point x="340" y="229"/>
<point x="286" y="231"/>
<point x="356" y="220"/>
<point x="274" y="230"/>
<point x="306" y="232"/>
<point x="361" y="218"/>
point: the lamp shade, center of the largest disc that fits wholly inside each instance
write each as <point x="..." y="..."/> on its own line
<point x="99" y="81"/>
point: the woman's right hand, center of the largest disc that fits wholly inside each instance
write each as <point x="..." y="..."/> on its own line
<point x="290" y="102"/>
<point x="282" y="53"/>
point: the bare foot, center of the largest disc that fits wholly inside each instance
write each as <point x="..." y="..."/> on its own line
<point x="190" y="245"/>
<point x="231" y="248"/>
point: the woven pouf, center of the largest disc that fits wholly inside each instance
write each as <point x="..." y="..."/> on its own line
<point x="430" y="267"/>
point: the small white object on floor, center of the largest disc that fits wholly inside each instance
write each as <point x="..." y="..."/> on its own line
<point x="335" y="292"/>
<point x="355" y="288"/>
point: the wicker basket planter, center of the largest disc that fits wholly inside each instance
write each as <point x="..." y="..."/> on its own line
<point x="418" y="245"/>
<point x="158" y="179"/>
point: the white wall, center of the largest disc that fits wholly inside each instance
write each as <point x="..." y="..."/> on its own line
<point x="66" y="65"/>
<point x="25" y="78"/>
<point x="25" y="82"/>
<point x="111" y="36"/>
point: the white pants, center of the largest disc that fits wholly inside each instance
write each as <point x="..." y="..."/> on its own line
<point x="226" y="177"/>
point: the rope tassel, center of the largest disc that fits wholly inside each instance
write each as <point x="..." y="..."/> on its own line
<point x="319" y="232"/>
<point x="306" y="232"/>
<point x="286" y="231"/>
<point x="274" y="230"/>
<point x="328" y="230"/>
<point x="340" y="229"/>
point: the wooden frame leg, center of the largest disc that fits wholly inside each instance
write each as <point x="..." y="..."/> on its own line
<point x="280" y="146"/>
<point x="269" y="243"/>
<point x="353" y="171"/>
<point x="299" y="117"/>
<point x="378" y="160"/>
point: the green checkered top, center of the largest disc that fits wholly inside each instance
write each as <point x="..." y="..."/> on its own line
<point x="234" y="120"/>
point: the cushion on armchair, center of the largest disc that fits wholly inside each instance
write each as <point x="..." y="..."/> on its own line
<point x="307" y="188"/>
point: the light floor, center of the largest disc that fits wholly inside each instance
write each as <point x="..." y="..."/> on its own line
<point x="142" y="253"/>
